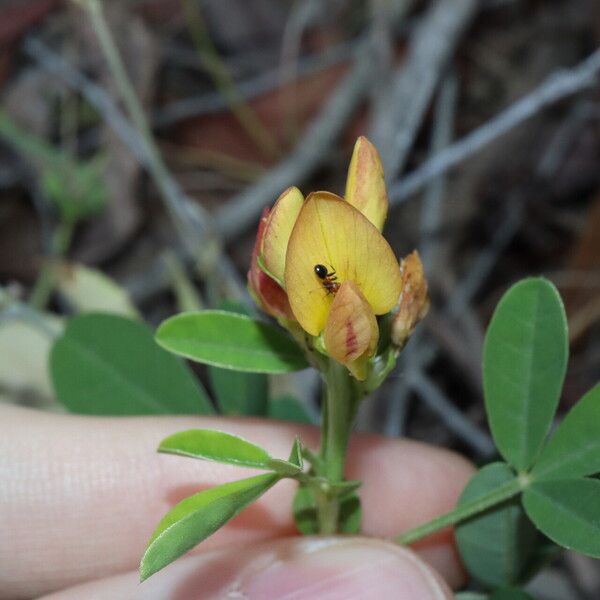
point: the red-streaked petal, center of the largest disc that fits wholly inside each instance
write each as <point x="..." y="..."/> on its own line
<point x="331" y="232"/>
<point x="351" y="331"/>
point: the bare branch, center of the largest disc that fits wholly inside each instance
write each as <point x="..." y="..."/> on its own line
<point x="432" y="209"/>
<point x="437" y="401"/>
<point x="399" y="112"/>
<point x="262" y="83"/>
<point x="193" y="224"/>
<point x="558" y="86"/>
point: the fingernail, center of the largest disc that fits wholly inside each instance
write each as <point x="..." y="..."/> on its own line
<point x="348" y="569"/>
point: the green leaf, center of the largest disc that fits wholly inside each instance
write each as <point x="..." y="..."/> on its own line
<point x="236" y="392"/>
<point x="239" y="393"/>
<point x="524" y="363"/>
<point x="219" y="446"/>
<point x="288" y="408"/>
<point x="78" y="189"/>
<point x="305" y="512"/>
<point x="344" y="488"/>
<point x="510" y="594"/>
<point x="197" y="517"/>
<point x="501" y="594"/>
<point x="234" y="306"/>
<point x="496" y="546"/>
<point x="296" y="453"/>
<point x="567" y="511"/>
<point x="231" y="341"/>
<point x="350" y="514"/>
<point x="110" y="365"/>
<point x="574" y="449"/>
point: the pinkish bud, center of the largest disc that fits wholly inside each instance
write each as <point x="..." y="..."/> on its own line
<point x="413" y="303"/>
<point x="265" y="291"/>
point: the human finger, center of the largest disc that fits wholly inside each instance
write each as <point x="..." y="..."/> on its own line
<point x="81" y="496"/>
<point x="292" y="568"/>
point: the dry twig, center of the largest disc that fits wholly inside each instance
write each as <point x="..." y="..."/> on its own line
<point x="192" y="224"/>
<point x="399" y="112"/>
<point x="453" y="418"/>
<point x="422" y="354"/>
<point x="431" y="217"/>
<point x="262" y="83"/>
<point x="558" y="86"/>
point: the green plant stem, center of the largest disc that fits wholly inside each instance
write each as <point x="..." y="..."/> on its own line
<point x="339" y="409"/>
<point x="225" y="84"/>
<point x="117" y="68"/>
<point x="340" y="399"/>
<point x="186" y="295"/>
<point x="498" y="496"/>
<point x="46" y="281"/>
<point x="153" y="159"/>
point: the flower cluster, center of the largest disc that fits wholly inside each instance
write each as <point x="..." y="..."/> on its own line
<point x="323" y="263"/>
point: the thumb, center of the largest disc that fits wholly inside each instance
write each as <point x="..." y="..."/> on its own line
<point x="343" y="568"/>
<point x="332" y="568"/>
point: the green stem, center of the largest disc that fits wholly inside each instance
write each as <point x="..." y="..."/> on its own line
<point x="339" y="408"/>
<point x="46" y="281"/>
<point x="341" y="399"/>
<point x="186" y="295"/>
<point x="224" y="82"/>
<point x="328" y="512"/>
<point x="463" y="512"/>
<point x="153" y="159"/>
<point x="118" y="71"/>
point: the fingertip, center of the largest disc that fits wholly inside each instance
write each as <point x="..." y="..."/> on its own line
<point x="347" y="568"/>
<point x="298" y="568"/>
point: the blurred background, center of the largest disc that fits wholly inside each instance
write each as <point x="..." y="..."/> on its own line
<point x="140" y="140"/>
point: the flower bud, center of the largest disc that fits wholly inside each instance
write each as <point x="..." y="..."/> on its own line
<point x="413" y="303"/>
<point x="265" y="291"/>
<point x="365" y="185"/>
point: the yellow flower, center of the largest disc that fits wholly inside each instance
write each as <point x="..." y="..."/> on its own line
<point x="335" y="266"/>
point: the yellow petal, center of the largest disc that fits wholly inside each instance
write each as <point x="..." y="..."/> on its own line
<point x="331" y="232"/>
<point x="351" y="331"/>
<point x="278" y="228"/>
<point x="365" y="186"/>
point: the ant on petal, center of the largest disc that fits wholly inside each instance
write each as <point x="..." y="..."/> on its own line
<point x="328" y="278"/>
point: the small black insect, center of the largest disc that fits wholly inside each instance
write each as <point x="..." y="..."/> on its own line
<point x="328" y="278"/>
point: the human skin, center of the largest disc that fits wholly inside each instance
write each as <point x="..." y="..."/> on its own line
<point x="80" y="496"/>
